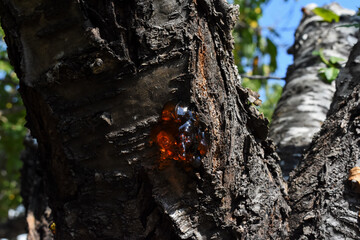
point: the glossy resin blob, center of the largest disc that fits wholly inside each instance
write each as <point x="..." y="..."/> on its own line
<point x="179" y="136"/>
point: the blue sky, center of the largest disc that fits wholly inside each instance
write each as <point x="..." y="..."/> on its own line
<point x="285" y="16"/>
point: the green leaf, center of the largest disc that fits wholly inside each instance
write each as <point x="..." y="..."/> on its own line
<point x="254" y="85"/>
<point x="321" y="55"/>
<point x="5" y="66"/>
<point x="272" y="50"/>
<point x="331" y="74"/>
<point x="315" y="53"/>
<point x="2" y="34"/>
<point x="335" y="60"/>
<point x="326" y="14"/>
<point x="273" y="94"/>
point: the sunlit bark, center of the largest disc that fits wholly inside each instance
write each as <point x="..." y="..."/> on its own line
<point x="95" y="76"/>
<point x="306" y="98"/>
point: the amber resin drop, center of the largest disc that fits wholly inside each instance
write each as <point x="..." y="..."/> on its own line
<point x="179" y="136"/>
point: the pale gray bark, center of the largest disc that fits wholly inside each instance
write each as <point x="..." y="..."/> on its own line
<point x="306" y="98"/>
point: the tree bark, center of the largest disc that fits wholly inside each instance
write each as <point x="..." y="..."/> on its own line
<point x="94" y="77"/>
<point x="38" y="214"/>
<point x="324" y="199"/>
<point x="306" y="98"/>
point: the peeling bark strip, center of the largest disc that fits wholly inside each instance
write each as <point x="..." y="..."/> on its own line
<point x="325" y="204"/>
<point x="94" y="86"/>
<point x="306" y="99"/>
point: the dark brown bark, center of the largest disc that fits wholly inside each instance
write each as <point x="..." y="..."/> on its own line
<point x="94" y="77"/>
<point x="38" y="214"/>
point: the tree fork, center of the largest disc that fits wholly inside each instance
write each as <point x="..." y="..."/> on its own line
<point x="94" y="77"/>
<point x="324" y="201"/>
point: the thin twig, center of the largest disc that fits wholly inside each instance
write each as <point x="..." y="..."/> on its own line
<point x="257" y="77"/>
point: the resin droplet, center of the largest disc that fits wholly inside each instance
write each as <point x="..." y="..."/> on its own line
<point x="164" y="140"/>
<point x="179" y="136"/>
<point x="168" y="113"/>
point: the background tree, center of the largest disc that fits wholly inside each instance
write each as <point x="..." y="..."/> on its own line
<point x="320" y="49"/>
<point x="324" y="190"/>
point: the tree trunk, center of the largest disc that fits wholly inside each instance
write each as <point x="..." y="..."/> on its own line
<point x="95" y="76"/>
<point x="324" y="191"/>
<point x="306" y="98"/>
<point x="35" y="201"/>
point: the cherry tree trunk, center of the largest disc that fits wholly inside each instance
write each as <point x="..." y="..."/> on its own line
<point x="306" y="97"/>
<point x="95" y="76"/>
<point x="324" y="189"/>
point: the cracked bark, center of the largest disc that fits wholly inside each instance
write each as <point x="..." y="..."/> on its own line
<point x="306" y="98"/>
<point x="94" y="77"/>
<point x="325" y="205"/>
<point x="38" y="214"/>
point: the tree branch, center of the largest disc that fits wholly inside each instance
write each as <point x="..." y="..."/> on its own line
<point x="259" y="77"/>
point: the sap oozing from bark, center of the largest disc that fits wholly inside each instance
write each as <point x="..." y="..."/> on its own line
<point x="93" y="108"/>
<point x="180" y="136"/>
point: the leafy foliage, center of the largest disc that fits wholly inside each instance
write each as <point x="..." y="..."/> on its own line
<point x="273" y="94"/>
<point x="251" y="47"/>
<point x="12" y="132"/>
<point x="254" y="53"/>
<point x="332" y="69"/>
